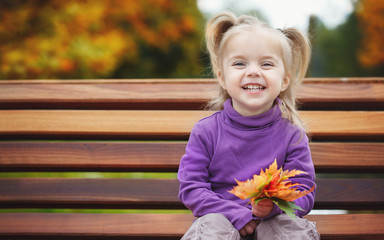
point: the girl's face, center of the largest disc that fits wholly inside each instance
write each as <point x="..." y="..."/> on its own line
<point x="252" y="72"/>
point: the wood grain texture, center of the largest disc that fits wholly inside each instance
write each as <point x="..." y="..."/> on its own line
<point x="316" y="93"/>
<point x="89" y="193"/>
<point x="349" y="226"/>
<point x="169" y="124"/>
<point x="168" y="226"/>
<point x="163" y="156"/>
<point x="161" y="193"/>
<point x="344" y="115"/>
<point x="361" y="157"/>
<point x="183" y="80"/>
<point x="91" y="156"/>
<point x="100" y="225"/>
<point x="99" y="123"/>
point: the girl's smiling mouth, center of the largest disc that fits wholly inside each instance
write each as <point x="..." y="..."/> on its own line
<point x="253" y="87"/>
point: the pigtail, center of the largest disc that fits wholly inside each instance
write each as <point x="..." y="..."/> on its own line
<point x="301" y="53"/>
<point x="214" y="33"/>
<point x="297" y="69"/>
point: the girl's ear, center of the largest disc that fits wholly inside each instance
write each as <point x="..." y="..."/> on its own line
<point x="220" y="77"/>
<point x="285" y="83"/>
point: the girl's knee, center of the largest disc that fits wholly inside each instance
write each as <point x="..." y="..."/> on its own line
<point x="211" y="227"/>
<point x="284" y="227"/>
<point x="216" y="218"/>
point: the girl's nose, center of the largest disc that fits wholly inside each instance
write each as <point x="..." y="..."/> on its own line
<point x="253" y="72"/>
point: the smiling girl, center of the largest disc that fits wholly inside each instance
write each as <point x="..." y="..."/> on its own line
<point x="258" y="69"/>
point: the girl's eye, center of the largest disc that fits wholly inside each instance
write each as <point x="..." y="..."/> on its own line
<point x="267" y="64"/>
<point x="239" y="64"/>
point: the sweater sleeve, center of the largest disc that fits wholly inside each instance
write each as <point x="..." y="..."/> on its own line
<point x="195" y="189"/>
<point x="299" y="158"/>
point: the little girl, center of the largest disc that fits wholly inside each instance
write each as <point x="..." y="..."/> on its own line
<point x="258" y="69"/>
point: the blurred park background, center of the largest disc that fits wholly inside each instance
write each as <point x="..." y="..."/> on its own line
<point x="82" y="39"/>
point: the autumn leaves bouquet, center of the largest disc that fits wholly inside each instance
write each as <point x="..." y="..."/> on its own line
<point x="274" y="184"/>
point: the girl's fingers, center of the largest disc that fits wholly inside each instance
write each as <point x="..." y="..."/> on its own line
<point x="265" y="202"/>
<point x="242" y="232"/>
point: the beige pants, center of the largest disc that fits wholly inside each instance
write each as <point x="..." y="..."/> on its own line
<point x="216" y="226"/>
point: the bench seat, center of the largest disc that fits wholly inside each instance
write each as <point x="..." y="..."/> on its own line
<point x="161" y="226"/>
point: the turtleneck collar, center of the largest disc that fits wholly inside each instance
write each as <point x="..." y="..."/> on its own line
<point x="232" y="118"/>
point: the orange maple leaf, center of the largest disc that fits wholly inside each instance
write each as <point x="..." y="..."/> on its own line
<point x="272" y="183"/>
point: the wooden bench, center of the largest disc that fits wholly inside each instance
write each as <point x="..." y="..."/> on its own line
<point x="140" y="127"/>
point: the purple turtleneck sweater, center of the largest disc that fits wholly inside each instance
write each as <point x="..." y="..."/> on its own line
<point x="227" y="146"/>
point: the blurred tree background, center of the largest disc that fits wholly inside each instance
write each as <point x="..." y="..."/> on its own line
<point x="100" y="39"/>
<point x="354" y="48"/>
<point x="157" y="39"/>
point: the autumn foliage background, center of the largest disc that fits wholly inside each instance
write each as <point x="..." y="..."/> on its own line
<point x="156" y="39"/>
<point x="99" y="39"/>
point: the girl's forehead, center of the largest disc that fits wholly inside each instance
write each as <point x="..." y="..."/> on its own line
<point x="253" y="40"/>
<point x="254" y="37"/>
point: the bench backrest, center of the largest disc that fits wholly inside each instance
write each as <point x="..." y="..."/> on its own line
<point x="140" y="126"/>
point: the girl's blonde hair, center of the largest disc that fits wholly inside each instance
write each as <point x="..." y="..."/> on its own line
<point x="295" y="49"/>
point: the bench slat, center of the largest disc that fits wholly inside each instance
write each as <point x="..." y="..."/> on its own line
<point x="161" y="193"/>
<point x="321" y="93"/>
<point x="169" y="124"/>
<point x="164" y="156"/>
<point x="169" y="226"/>
<point x="91" y="156"/>
<point x="184" y="80"/>
<point x="89" y="193"/>
<point x="341" y="96"/>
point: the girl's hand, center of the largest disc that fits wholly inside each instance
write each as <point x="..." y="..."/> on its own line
<point x="249" y="228"/>
<point x="263" y="208"/>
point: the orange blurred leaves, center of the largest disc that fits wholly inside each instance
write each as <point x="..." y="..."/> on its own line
<point x="371" y="17"/>
<point x="89" y="38"/>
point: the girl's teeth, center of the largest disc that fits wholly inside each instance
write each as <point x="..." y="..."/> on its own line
<point x="253" y="88"/>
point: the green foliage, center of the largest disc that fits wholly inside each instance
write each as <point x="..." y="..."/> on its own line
<point x="288" y="207"/>
<point x="336" y="51"/>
